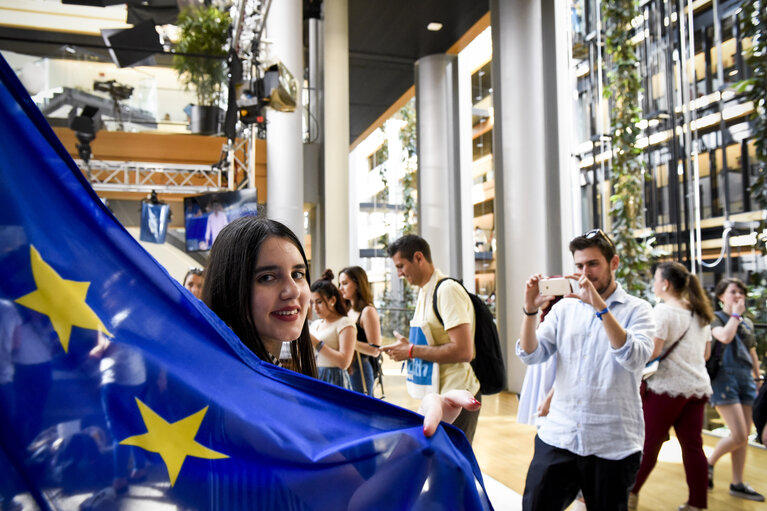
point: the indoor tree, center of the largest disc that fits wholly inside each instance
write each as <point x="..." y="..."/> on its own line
<point x="626" y="164"/>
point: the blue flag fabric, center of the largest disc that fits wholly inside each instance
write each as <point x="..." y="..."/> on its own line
<point x="108" y="364"/>
<point x="154" y="222"/>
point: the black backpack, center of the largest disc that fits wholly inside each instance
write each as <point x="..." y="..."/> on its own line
<point x="488" y="361"/>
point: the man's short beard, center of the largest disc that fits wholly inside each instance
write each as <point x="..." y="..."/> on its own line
<point x="602" y="290"/>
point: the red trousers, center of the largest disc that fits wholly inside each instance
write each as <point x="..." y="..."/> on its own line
<point x="662" y="411"/>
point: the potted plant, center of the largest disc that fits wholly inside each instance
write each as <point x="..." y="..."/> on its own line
<point x="201" y="62"/>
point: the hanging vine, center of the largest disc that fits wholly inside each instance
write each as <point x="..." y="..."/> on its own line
<point x="623" y="87"/>
<point x="408" y="139"/>
<point x="753" y="25"/>
<point x="399" y="309"/>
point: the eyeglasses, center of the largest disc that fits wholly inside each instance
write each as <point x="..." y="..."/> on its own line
<point x="195" y="271"/>
<point x="599" y="232"/>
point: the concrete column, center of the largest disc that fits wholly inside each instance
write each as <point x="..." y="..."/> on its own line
<point x="439" y="179"/>
<point x="337" y="203"/>
<point x="528" y="197"/>
<point x="284" y="136"/>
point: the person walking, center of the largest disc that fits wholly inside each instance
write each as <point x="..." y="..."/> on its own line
<point x="734" y="387"/>
<point x="676" y="394"/>
<point x="452" y="346"/>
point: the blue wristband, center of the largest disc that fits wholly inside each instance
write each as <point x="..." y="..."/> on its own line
<point x="602" y="313"/>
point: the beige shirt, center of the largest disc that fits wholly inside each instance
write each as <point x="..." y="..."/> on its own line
<point x="456" y="309"/>
<point x="329" y="333"/>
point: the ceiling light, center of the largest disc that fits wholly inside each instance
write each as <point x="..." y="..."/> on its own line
<point x="434" y="26"/>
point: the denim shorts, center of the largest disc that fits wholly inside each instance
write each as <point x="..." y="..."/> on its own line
<point x="732" y="387"/>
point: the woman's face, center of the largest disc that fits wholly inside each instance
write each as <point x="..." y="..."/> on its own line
<point x="732" y="294"/>
<point x="321" y="306"/>
<point x="280" y="292"/>
<point x="194" y="284"/>
<point x="347" y="287"/>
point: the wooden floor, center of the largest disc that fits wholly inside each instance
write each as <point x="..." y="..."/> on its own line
<point x="504" y="449"/>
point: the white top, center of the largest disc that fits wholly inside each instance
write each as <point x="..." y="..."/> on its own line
<point x="328" y="333"/>
<point x="596" y="409"/>
<point x="34" y="343"/>
<point x="9" y="321"/>
<point x="539" y="379"/>
<point x="683" y="371"/>
<point x="122" y="365"/>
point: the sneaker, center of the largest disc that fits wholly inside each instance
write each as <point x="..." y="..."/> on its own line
<point x="633" y="500"/>
<point x="744" y="491"/>
<point x="711" y="477"/>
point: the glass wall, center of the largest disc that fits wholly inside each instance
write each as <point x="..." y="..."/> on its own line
<point x="719" y="142"/>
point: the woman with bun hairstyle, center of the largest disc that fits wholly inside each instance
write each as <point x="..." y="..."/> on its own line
<point x="355" y="289"/>
<point x="257" y="282"/>
<point x="333" y="333"/>
<point x="676" y="394"/>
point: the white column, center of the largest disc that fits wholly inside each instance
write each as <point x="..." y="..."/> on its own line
<point x="439" y="181"/>
<point x="526" y="152"/>
<point x="284" y="137"/>
<point x="337" y="202"/>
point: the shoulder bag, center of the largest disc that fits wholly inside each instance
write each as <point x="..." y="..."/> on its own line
<point x="652" y="366"/>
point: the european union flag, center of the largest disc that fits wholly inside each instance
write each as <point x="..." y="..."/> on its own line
<point x="113" y="376"/>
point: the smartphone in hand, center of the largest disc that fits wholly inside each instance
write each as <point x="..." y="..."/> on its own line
<point x="556" y="286"/>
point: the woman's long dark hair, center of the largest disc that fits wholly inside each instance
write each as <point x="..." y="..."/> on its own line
<point x="688" y="285"/>
<point x="228" y="284"/>
<point x="363" y="296"/>
<point x="328" y="290"/>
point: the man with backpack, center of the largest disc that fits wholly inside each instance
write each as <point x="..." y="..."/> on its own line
<point x="451" y="344"/>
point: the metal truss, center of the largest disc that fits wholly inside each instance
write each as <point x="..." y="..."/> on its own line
<point x="147" y="176"/>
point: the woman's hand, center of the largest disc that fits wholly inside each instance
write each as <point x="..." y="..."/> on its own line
<point x="445" y="407"/>
<point x="739" y="306"/>
<point x="543" y="408"/>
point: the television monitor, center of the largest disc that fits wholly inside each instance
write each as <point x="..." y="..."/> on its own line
<point x="205" y="215"/>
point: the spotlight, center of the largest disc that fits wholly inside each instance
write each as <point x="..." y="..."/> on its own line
<point x="85" y="125"/>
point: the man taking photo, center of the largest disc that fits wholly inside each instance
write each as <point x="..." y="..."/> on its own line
<point x="593" y="435"/>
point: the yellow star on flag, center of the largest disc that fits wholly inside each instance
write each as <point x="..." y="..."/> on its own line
<point x="173" y="442"/>
<point x="62" y="300"/>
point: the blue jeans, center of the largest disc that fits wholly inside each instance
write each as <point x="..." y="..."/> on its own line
<point x="732" y="386"/>
<point x="124" y="420"/>
<point x="31" y="385"/>
<point x="367" y="372"/>
<point x="8" y="477"/>
<point x="335" y="376"/>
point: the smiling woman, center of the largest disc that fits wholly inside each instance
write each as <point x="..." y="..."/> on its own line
<point x="257" y="283"/>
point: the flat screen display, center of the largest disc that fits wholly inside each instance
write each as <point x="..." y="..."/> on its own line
<point x="205" y="215"/>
